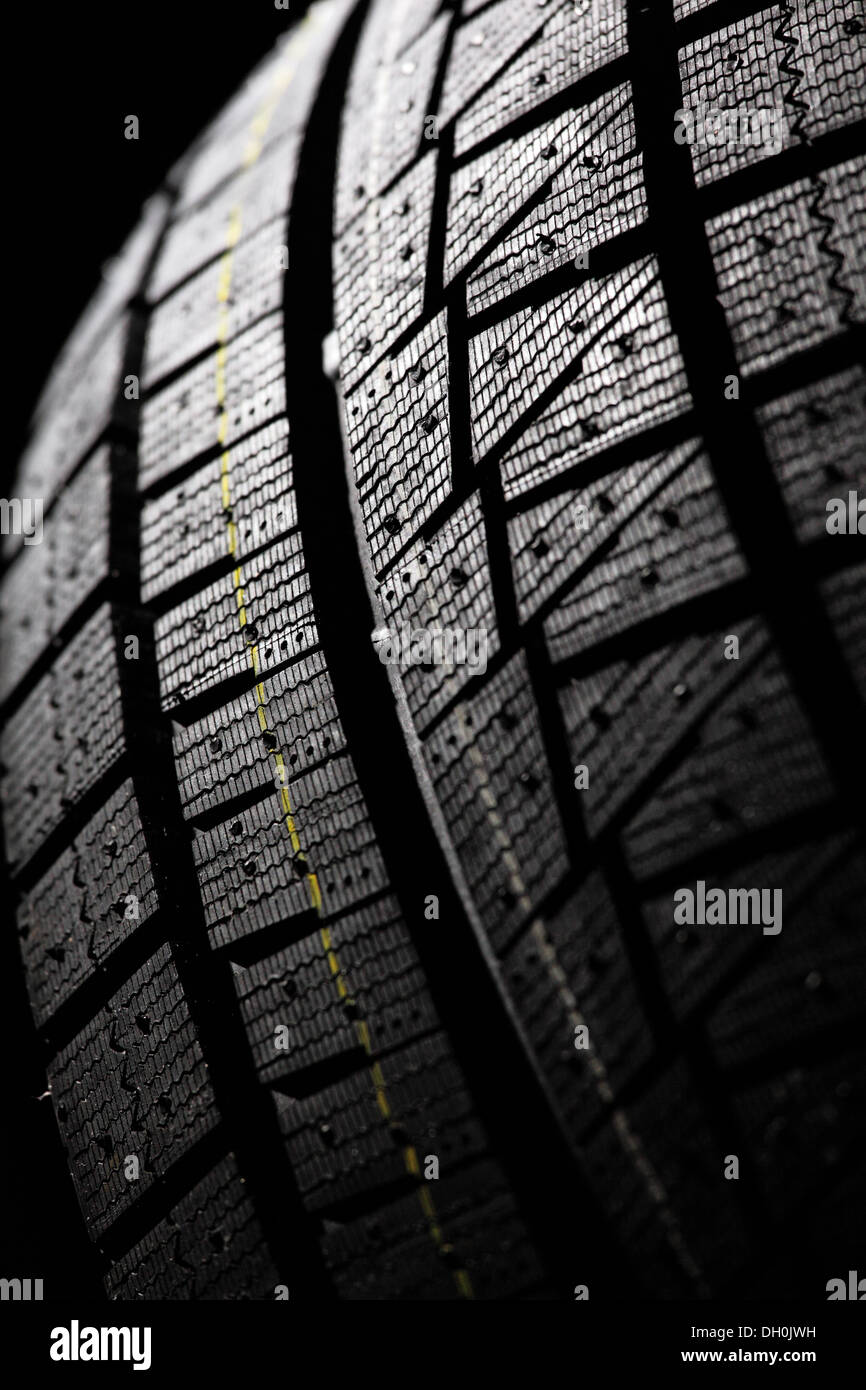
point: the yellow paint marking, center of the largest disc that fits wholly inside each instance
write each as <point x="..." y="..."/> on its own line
<point x="257" y="134"/>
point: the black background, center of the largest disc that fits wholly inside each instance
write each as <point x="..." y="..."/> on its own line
<point x="77" y="185"/>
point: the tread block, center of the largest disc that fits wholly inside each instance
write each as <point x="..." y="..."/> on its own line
<point x="576" y="40"/>
<point x="344" y="1151"/>
<point x="47" y="582"/>
<point x="58" y="745"/>
<point x="217" y="1249"/>
<point x="94" y="896"/>
<point x="782" y="283"/>
<point x="182" y="420"/>
<point x="132" y="1083"/>
<point x="226" y="753"/>
<point x="673" y="1210"/>
<point x="198" y="235"/>
<point x="713" y="796"/>
<point x="93" y="399"/>
<point x="399" y="430"/>
<point x="610" y="345"/>
<point x="380" y="269"/>
<point x="297" y="987"/>
<point x="443" y="587"/>
<point x="596" y="194"/>
<point x="559" y="537"/>
<point x="185" y="323"/>
<point x="390" y="1254"/>
<point x="487" y="764"/>
<point x="814" y="439"/>
<point x="387" y="105"/>
<point x="251" y="873"/>
<point x="122" y="276"/>
<point x="272" y="104"/>
<point x="842" y="595"/>
<point x="571" y="970"/>
<point x="186" y="529"/>
<point x="210" y="637"/>
<point x="653" y="566"/>
<point x="635" y="714"/>
<point x="483" y="48"/>
<point x="805" y="1124"/>
<point x="818" y="978"/>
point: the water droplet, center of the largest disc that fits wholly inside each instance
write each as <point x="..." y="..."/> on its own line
<point x="392" y="524"/>
<point x="500" y="356"/>
<point x="416" y="374"/>
<point x="249" y="866"/>
<point x="458" y="577"/>
<point x="215" y="744"/>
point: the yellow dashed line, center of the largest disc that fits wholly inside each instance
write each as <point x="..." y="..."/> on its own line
<point x="258" y="131"/>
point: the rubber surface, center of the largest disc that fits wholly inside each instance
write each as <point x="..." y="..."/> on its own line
<point x="310" y="938"/>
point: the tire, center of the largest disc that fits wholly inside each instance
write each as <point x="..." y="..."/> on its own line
<point x="359" y="974"/>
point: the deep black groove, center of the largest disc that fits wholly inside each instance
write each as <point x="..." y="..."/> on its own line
<point x="711" y="18"/>
<point x="697" y="1017"/>
<point x="192" y="584"/>
<point x="782" y="169"/>
<point x="799" y="827"/>
<point x="572" y="98"/>
<point x="547" y="1180"/>
<point x="809" y="648"/>
<point x="157" y="1200"/>
<point x="733" y="599"/>
<point x="369" y="1201"/>
<point x="607" y="855"/>
<point x="234" y="806"/>
<point x="207" y="979"/>
<point x="258" y="945"/>
<point x="806" y="367"/>
<point x="224" y="691"/>
<point x="499" y="560"/>
<point x="328" y="1071"/>
<point x="607" y="257"/>
<point x="177" y="475"/>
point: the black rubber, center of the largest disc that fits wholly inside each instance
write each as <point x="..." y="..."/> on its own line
<point x="438" y="327"/>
